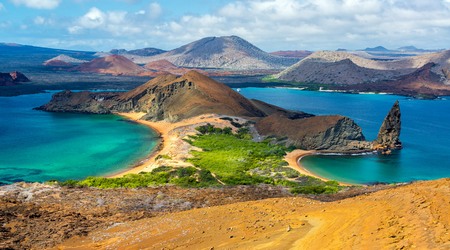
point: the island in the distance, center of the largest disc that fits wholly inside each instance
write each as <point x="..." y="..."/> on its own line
<point x="171" y="98"/>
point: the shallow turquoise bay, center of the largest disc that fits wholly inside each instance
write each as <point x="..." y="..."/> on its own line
<point x="425" y="134"/>
<point x="41" y="146"/>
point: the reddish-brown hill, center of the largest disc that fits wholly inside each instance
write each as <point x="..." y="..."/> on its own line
<point x="163" y="66"/>
<point x="114" y="64"/>
<point x="171" y="98"/>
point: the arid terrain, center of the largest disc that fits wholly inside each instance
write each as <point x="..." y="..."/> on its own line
<point x="413" y="216"/>
<point x="39" y="216"/>
<point x="264" y="217"/>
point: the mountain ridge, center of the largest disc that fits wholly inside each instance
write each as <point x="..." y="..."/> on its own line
<point x="340" y="70"/>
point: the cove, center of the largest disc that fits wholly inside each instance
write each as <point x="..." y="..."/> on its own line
<point x="41" y="146"/>
<point x="425" y="134"/>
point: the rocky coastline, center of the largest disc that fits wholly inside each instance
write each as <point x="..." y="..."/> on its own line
<point x="170" y="98"/>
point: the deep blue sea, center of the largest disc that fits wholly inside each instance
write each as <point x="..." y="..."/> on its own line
<point x="40" y="146"/>
<point x="425" y="134"/>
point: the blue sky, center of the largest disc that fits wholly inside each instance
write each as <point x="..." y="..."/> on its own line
<point x="269" y="24"/>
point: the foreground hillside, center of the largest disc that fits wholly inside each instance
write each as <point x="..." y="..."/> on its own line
<point x="405" y="217"/>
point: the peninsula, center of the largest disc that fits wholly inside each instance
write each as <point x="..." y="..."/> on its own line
<point x="170" y="98"/>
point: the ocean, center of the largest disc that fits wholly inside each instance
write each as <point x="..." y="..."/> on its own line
<point x="425" y="134"/>
<point x="42" y="146"/>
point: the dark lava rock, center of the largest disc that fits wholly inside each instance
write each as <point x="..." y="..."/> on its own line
<point x="389" y="134"/>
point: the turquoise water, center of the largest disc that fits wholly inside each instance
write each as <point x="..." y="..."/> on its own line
<point x="425" y="134"/>
<point x="40" y="146"/>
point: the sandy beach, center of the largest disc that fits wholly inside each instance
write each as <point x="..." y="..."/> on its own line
<point x="294" y="160"/>
<point x="171" y="146"/>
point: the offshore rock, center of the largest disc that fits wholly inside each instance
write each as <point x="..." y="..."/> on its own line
<point x="12" y="78"/>
<point x="389" y="135"/>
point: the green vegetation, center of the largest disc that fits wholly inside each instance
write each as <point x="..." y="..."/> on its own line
<point x="163" y="157"/>
<point x="184" y="177"/>
<point x="226" y="158"/>
<point x="312" y="86"/>
<point x="237" y="160"/>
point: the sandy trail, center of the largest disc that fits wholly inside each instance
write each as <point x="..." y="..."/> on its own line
<point x="410" y="216"/>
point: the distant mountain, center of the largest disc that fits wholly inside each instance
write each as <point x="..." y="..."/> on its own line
<point x="408" y="48"/>
<point x="114" y="64"/>
<point x="342" y="68"/>
<point x="300" y="54"/>
<point x="12" y="78"/>
<point x="228" y="52"/>
<point x="137" y="52"/>
<point x="63" y="61"/>
<point x="377" y="49"/>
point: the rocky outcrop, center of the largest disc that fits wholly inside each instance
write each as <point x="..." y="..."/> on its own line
<point x="389" y="135"/>
<point x="12" y="78"/>
<point x="81" y="102"/>
<point x="335" y="133"/>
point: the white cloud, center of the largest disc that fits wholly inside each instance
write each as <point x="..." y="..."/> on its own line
<point x="39" y="20"/>
<point x="92" y="19"/>
<point x="38" y="4"/>
<point x="112" y="22"/>
<point x="320" y="24"/>
<point x="154" y="10"/>
<point x="280" y="24"/>
<point x="2" y="7"/>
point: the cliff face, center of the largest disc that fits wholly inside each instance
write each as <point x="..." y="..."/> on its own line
<point x="81" y="102"/>
<point x="336" y="133"/>
<point x="389" y="135"/>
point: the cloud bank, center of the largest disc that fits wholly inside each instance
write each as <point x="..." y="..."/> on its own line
<point x="38" y="4"/>
<point x="269" y="24"/>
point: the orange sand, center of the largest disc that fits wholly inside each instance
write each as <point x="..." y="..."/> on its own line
<point x="413" y="216"/>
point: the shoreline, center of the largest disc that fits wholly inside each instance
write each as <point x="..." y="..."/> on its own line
<point x="293" y="158"/>
<point x="171" y="144"/>
<point x="167" y="138"/>
<point x="150" y="158"/>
